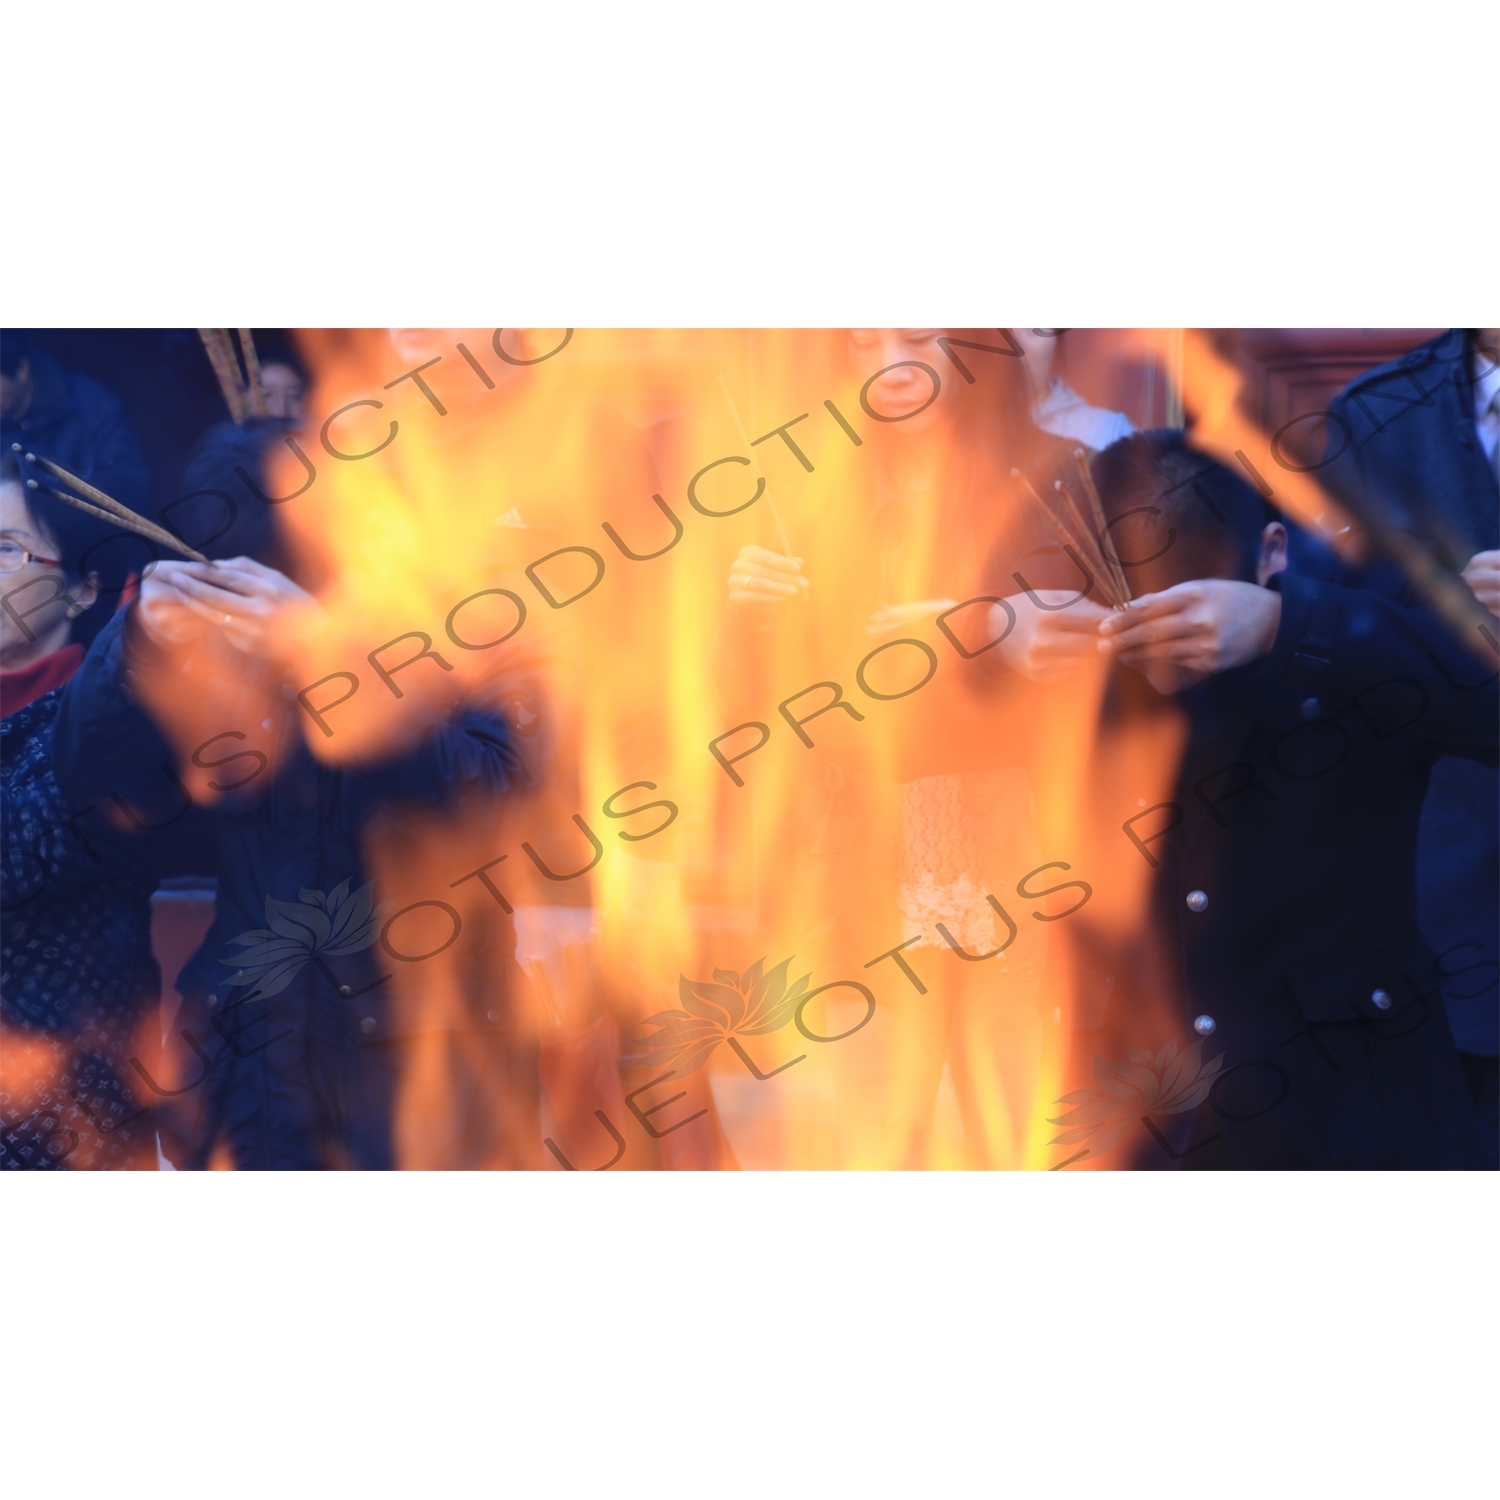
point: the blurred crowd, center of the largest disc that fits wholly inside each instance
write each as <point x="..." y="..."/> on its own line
<point x="496" y="748"/>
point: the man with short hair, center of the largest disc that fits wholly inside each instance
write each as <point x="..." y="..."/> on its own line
<point x="1285" y="886"/>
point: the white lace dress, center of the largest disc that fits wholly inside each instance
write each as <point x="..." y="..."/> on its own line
<point x="964" y="836"/>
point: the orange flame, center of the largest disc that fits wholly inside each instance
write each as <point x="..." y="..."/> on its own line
<point x="544" y="524"/>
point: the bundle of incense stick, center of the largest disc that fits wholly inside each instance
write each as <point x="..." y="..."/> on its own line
<point x="242" y="395"/>
<point x="252" y="374"/>
<point x="104" y="508"/>
<point x="1083" y="529"/>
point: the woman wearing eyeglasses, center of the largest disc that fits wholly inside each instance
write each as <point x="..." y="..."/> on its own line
<point x="77" y="977"/>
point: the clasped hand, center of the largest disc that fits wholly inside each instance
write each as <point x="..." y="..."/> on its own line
<point x="249" y="603"/>
<point x="1483" y="576"/>
<point x="1174" y="638"/>
<point x="1188" y="632"/>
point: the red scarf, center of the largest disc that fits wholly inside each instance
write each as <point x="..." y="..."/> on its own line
<point x="27" y="684"/>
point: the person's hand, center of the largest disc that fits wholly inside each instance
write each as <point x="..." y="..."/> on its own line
<point x="890" y="618"/>
<point x="1192" y="630"/>
<point x="250" y="603"/>
<point x="762" y="583"/>
<point x="1048" y="644"/>
<point x="162" y="612"/>
<point x="1483" y="576"/>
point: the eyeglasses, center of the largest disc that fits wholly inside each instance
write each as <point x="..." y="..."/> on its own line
<point x="14" y="558"/>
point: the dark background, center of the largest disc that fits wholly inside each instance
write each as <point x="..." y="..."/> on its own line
<point x="164" y="381"/>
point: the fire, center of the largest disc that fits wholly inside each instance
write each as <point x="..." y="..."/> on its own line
<point x="543" y="523"/>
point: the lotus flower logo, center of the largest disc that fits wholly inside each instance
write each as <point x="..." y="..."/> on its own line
<point x="316" y="925"/>
<point x="1170" y="1083"/>
<point x="733" y="1006"/>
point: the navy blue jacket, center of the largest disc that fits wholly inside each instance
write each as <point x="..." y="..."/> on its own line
<point x="1295" y="822"/>
<point x="1402" y="444"/>
<point x="80" y="426"/>
<point x="295" y="1067"/>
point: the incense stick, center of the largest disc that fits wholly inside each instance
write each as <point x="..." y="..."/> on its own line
<point x="221" y="357"/>
<point x="100" y="514"/>
<point x="1059" y="522"/>
<point x="1094" y="547"/>
<point x="1114" y="586"/>
<point x="105" y="502"/>
<point x="1079" y="520"/>
<point x="96" y="511"/>
<point x="1101" y="522"/>
<point x="255" y="391"/>
<point x="109" y="509"/>
<point x="1068" y="522"/>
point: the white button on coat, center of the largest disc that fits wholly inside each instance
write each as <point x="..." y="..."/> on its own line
<point x="1197" y="900"/>
<point x="1380" y="1000"/>
<point x="1205" y="1026"/>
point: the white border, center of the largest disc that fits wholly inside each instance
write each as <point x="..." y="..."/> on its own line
<point x="1168" y="164"/>
<point x="927" y="1334"/>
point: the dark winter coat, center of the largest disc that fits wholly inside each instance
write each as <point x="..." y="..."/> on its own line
<point x="286" y="1000"/>
<point x="80" y="426"/>
<point x="1402" y="443"/>
<point x="1287" y="881"/>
